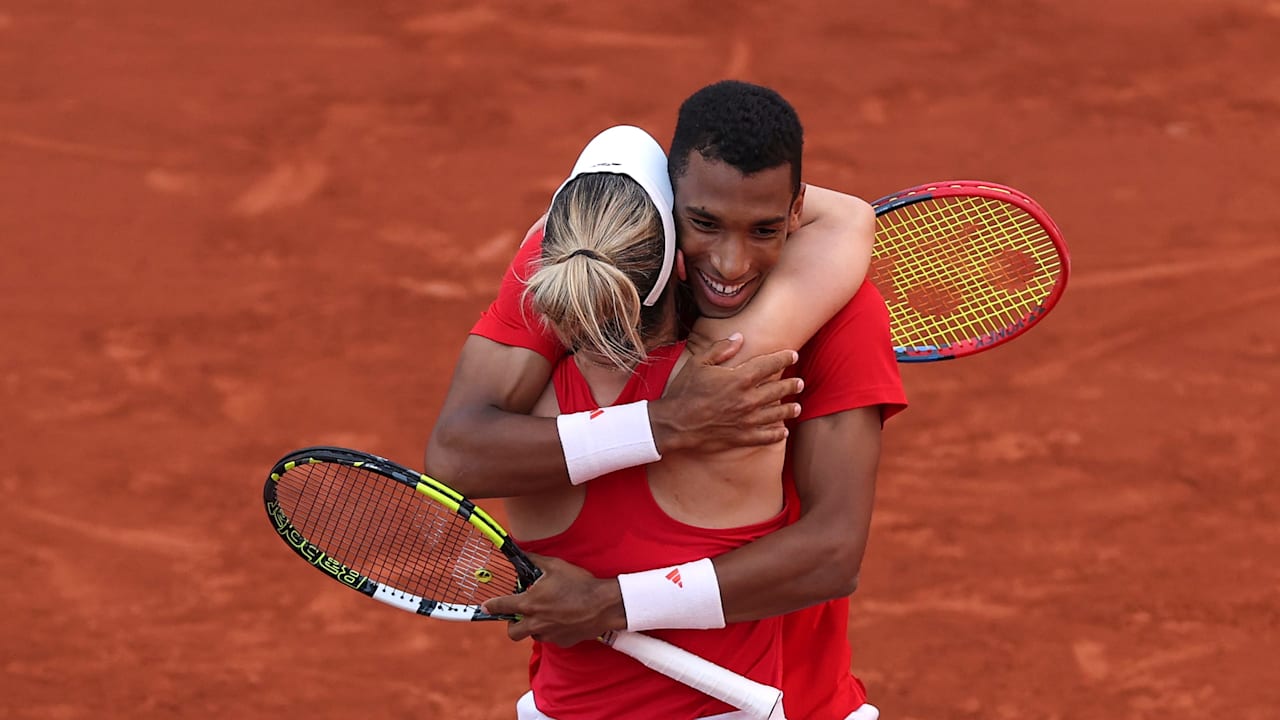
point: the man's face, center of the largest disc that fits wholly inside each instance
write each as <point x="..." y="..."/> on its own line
<point x="731" y="228"/>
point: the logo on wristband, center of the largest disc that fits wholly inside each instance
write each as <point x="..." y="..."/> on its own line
<point x="674" y="576"/>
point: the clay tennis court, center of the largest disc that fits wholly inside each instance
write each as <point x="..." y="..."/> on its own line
<point x="231" y="229"/>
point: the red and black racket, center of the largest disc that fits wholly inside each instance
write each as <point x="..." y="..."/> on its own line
<point x="964" y="266"/>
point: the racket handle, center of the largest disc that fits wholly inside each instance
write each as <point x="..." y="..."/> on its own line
<point x="757" y="699"/>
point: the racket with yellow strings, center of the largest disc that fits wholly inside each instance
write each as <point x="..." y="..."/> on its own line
<point x="412" y="542"/>
<point x="964" y="266"/>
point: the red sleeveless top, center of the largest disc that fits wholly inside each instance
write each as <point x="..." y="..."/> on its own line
<point x="621" y="529"/>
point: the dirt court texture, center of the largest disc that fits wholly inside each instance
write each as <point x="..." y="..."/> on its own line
<point x="234" y="228"/>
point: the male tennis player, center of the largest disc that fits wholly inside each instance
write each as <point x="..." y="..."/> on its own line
<point x="726" y="134"/>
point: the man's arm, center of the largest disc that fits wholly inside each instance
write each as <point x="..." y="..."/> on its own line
<point x="485" y="445"/>
<point x="813" y="560"/>
<point x="836" y="459"/>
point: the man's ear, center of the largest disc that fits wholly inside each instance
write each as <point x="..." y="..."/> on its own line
<point x="797" y="209"/>
<point x="680" y="266"/>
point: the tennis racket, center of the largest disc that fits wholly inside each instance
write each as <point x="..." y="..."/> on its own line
<point x="964" y="266"/>
<point x="414" y="543"/>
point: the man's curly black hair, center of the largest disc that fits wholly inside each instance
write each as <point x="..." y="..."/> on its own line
<point x="750" y="127"/>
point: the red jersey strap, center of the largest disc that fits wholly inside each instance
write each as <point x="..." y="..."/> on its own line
<point x="646" y="383"/>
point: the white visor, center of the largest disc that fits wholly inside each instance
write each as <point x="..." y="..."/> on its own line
<point x="630" y="151"/>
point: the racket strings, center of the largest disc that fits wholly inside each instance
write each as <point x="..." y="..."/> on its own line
<point x="330" y="513"/>
<point x="393" y="535"/>
<point x="993" y="269"/>
<point x="959" y="269"/>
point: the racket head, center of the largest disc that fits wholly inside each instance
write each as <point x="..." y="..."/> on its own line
<point x="965" y="266"/>
<point x="393" y="534"/>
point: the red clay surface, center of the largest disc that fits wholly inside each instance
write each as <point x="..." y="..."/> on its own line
<point x="231" y="229"/>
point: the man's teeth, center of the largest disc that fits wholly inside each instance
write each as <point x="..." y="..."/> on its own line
<point x="721" y="288"/>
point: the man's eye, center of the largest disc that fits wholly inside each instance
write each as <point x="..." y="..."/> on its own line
<point x="766" y="232"/>
<point x="701" y="224"/>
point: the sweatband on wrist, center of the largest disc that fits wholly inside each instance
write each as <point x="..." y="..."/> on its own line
<point x="601" y="441"/>
<point x="683" y="597"/>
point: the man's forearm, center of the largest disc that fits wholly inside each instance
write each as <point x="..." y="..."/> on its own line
<point x="590" y="444"/>
<point x="487" y="452"/>
<point x="754" y="585"/>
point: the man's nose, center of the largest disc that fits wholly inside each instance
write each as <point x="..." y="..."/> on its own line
<point x="731" y="259"/>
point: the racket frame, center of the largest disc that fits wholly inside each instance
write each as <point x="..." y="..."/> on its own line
<point x="436" y="491"/>
<point x="756" y="699"/>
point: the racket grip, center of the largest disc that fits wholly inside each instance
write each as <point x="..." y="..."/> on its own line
<point x="757" y="699"/>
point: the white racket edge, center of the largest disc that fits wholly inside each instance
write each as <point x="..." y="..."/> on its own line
<point x="757" y="699"/>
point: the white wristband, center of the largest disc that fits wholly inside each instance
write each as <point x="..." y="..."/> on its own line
<point x="681" y="597"/>
<point x="599" y="442"/>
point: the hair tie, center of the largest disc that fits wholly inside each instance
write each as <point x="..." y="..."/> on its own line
<point x="587" y="253"/>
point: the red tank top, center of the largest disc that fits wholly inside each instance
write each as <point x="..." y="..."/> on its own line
<point x="622" y="529"/>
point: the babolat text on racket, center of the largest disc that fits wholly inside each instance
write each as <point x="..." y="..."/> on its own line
<point x="964" y="266"/>
<point x="414" y="543"/>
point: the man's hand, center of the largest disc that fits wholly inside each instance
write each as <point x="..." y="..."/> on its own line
<point x="709" y="407"/>
<point x="565" y="606"/>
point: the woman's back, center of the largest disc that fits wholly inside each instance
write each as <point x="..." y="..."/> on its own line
<point x="726" y="489"/>
<point x="730" y="488"/>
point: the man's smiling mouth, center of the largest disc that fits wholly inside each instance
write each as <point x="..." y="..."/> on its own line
<point x="719" y="288"/>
